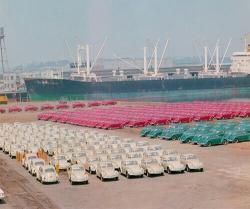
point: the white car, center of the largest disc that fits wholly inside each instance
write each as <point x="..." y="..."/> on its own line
<point x="131" y="168"/>
<point x="151" y="167"/>
<point x="2" y="195"/>
<point x="47" y="174"/>
<point x="14" y="148"/>
<point x="27" y="159"/>
<point x="144" y="144"/>
<point x="35" y="165"/>
<point x="152" y="154"/>
<point x="155" y="148"/>
<point x="61" y="159"/>
<point x="170" y="152"/>
<point x="78" y="158"/>
<point x="91" y="164"/>
<point x="106" y="170"/>
<point x="172" y="163"/>
<point x="102" y="157"/>
<point x="191" y="162"/>
<point x="77" y="174"/>
<point x="116" y="160"/>
<point x="135" y="156"/>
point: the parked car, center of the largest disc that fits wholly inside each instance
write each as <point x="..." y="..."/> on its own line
<point x="2" y="195"/>
<point x="131" y="168"/>
<point x="116" y="160"/>
<point x="35" y="165"/>
<point x="91" y="164"/>
<point x="47" y="174"/>
<point x="106" y="170"/>
<point x="77" y="174"/>
<point x="170" y="152"/>
<point x="155" y="148"/>
<point x="14" y="148"/>
<point x="209" y="140"/>
<point x="237" y="136"/>
<point x="78" y="158"/>
<point x="152" y="154"/>
<point x="134" y="156"/>
<point x="172" y="163"/>
<point x="27" y="159"/>
<point x="151" y="167"/>
<point x="191" y="162"/>
<point x="61" y="159"/>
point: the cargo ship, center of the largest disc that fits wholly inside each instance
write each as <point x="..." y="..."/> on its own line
<point x="157" y="84"/>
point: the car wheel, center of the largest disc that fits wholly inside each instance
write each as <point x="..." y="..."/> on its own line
<point x="187" y="168"/>
<point x="117" y="178"/>
<point x="168" y="170"/>
<point x="90" y="170"/>
<point x="236" y="141"/>
<point x="209" y="144"/>
<point x="102" y="179"/>
<point x="147" y="173"/>
<point x="225" y="142"/>
<point x="127" y="175"/>
<point x="201" y="170"/>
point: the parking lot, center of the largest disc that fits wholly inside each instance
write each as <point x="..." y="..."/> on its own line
<point x="223" y="184"/>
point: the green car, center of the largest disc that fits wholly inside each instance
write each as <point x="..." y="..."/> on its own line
<point x="172" y="133"/>
<point x="237" y="136"/>
<point x="212" y="139"/>
<point x="155" y="132"/>
<point x="145" y="131"/>
<point x="197" y="137"/>
<point x="187" y="136"/>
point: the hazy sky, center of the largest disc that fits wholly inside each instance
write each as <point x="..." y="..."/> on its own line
<point x="37" y="29"/>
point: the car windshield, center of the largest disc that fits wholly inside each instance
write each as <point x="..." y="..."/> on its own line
<point x="81" y="154"/>
<point x="131" y="163"/>
<point x="49" y="170"/>
<point x="151" y="162"/>
<point x="31" y="157"/>
<point x="116" y="157"/>
<point x="39" y="163"/>
<point x="93" y="159"/>
<point x="135" y="156"/>
<point x="191" y="157"/>
<point x="171" y="159"/>
<point x="61" y="157"/>
<point x="78" y="169"/>
<point x="154" y="154"/>
<point x="140" y="149"/>
<point x="107" y="165"/>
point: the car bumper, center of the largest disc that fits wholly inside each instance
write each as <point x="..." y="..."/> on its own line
<point x="83" y="179"/>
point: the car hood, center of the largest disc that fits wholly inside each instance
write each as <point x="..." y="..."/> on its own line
<point x="194" y="162"/>
<point x="134" y="168"/>
<point x="154" y="167"/>
<point x="175" y="164"/>
<point x="108" y="171"/>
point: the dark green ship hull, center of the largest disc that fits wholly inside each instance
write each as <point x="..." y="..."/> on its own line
<point x="158" y="90"/>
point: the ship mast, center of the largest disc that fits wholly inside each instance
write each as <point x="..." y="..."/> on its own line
<point x="3" y="51"/>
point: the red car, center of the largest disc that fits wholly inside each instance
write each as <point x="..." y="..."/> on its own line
<point x="2" y="110"/>
<point x="78" y="105"/>
<point x="62" y="106"/>
<point x="14" y="109"/>
<point x="30" y="108"/>
<point x="47" y="107"/>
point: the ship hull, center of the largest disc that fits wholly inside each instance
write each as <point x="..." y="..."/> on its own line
<point x="53" y="89"/>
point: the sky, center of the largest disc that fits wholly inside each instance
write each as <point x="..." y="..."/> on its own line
<point x="36" y="30"/>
